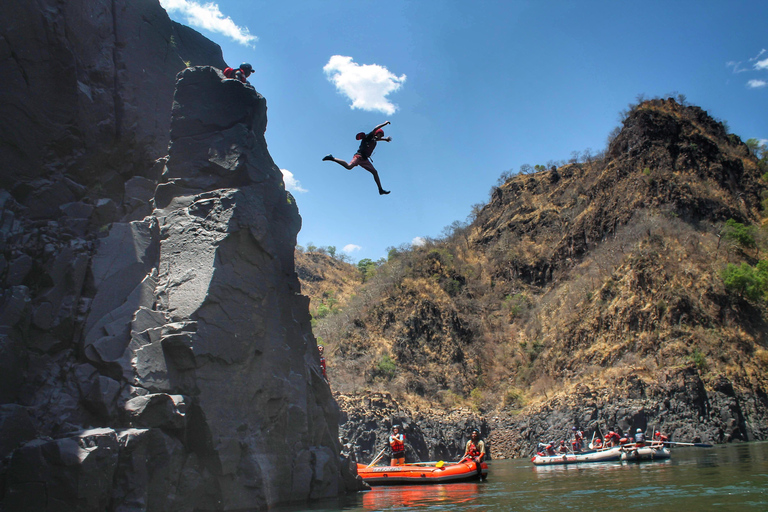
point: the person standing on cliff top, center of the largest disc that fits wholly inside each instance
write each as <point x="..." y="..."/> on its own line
<point x="397" y="445"/>
<point x="363" y="156"/>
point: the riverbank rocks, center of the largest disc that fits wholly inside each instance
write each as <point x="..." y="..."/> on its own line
<point x="430" y="435"/>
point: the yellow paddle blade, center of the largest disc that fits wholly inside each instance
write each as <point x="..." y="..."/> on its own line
<point x="440" y="464"/>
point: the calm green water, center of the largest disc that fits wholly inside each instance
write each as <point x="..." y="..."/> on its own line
<point x="727" y="478"/>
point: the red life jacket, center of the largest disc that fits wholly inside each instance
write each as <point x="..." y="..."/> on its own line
<point x="472" y="451"/>
<point x="233" y="73"/>
<point x="396" y="444"/>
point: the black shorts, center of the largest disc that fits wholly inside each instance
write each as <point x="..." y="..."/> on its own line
<point x="398" y="455"/>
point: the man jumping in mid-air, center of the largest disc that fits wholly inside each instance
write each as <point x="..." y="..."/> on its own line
<point x="364" y="152"/>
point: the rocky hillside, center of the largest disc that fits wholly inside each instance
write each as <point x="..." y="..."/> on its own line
<point x="328" y="282"/>
<point x="155" y="351"/>
<point x="590" y="294"/>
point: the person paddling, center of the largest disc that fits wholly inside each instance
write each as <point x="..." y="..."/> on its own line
<point x="363" y="156"/>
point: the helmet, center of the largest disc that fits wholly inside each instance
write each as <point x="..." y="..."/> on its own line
<point x="639" y="430"/>
<point x="246" y="67"/>
<point x="395" y="427"/>
<point x="360" y="136"/>
<point x="475" y="431"/>
<point x="573" y="428"/>
<point x="657" y="433"/>
<point x="379" y="132"/>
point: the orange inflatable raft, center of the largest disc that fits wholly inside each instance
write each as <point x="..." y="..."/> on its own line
<point x="422" y="473"/>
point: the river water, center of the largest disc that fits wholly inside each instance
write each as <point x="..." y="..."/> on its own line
<point x="724" y="478"/>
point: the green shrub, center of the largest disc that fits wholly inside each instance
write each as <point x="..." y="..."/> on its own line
<point x="740" y="234"/>
<point x="746" y="280"/>
<point x="386" y="367"/>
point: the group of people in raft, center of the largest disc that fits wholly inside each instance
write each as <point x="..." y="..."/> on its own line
<point x="473" y="451"/>
<point x="611" y="439"/>
<point x="368" y="140"/>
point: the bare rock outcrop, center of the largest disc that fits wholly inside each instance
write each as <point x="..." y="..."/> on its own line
<point x="155" y="350"/>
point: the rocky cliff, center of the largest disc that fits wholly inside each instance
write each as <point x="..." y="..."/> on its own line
<point x="155" y="350"/>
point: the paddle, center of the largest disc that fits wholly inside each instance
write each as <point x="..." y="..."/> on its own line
<point x="376" y="459"/>
<point x="697" y="445"/>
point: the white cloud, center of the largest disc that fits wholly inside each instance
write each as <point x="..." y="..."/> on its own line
<point x="350" y="248"/>
<point x="291" y="183"/>
<point x="208" y="16"/>
<point x="756" y="84"/>
<point x="366" y="85"/>
<point x="761" y="64"/>
<point x="418" y="241"/>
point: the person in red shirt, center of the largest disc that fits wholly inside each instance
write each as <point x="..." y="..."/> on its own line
<point x="363" y="156"/>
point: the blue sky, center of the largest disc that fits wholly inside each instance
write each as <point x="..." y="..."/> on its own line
<point x="472" y="89"/>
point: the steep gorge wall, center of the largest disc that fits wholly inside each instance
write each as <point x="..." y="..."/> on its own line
<point x="155" y="350"/>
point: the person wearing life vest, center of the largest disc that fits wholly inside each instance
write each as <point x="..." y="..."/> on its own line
<point x="363" y="156"/>
<point x="578" y="439"/>
<point x="612" y="439"/>
<point x="475" y="449"/>
<point x="597" y="444"/>
<point x="241" y="73"/>
<point x="397" y="445"/>
<point x="660" y="438"/>
<point x="639" y="437"/>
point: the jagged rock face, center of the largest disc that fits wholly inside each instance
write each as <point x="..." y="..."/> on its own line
<point x="238" y="334"/>
<point x="87" y="92"/>
<point x="156" y="361"/>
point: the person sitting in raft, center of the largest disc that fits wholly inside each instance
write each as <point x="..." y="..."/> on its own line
<point x="612" y="439"/>
<point x="551" y="449"/>
<point x="475" y="449"/>
<point x="397" y="445"/>
<point x="659" y="438"/>
<point x="597" y="444"/>
<point x="639" y="437"/>
<point x="578" y="440"/>
<point x="563" y="448"/>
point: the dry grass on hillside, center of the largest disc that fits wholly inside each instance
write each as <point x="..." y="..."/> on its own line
<point x="584" y="274"/>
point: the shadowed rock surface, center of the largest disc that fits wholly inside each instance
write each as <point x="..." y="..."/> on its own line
<point x="155" y="351"/>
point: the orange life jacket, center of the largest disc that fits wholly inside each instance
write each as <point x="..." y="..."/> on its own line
<point x="472" y="451"/>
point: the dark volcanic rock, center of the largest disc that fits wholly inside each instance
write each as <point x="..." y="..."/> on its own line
<point x="150" y="359"/>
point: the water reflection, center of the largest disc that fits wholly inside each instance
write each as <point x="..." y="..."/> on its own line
<point x="395" y="497"/>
